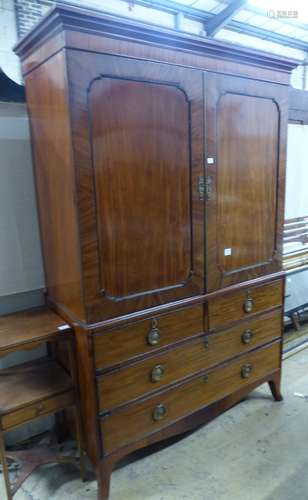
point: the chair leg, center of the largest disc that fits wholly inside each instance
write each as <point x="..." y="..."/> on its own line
<point x="5" y="468"/>
<point x="80" y="443"/>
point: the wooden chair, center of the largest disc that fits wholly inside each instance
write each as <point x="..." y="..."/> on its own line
<point x="36" y="388"/>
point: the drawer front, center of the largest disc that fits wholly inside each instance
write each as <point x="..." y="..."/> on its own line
<point x="238" y="305"/>
<point x="138" y="420"/>
<point x="29" y="413"/>
<point x="126" y="384"/>
<point x="119" y="345"/>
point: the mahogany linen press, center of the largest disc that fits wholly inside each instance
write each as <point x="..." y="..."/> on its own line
<point x="160" y="171"/>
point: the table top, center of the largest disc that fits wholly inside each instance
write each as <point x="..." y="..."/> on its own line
<point x="22" y="329"/>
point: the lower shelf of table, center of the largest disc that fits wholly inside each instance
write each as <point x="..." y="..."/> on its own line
<point x="32" y="389"/>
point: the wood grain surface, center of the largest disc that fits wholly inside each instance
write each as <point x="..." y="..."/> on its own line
<point x="138" y="163"/>
<point x="21" y="330"/>
<point x="231" y="307"/>
<point x="121" y="344"/>
<point x="246" y="134"/>
<point x="135" y="421"/>
<point x="121" y="386"/>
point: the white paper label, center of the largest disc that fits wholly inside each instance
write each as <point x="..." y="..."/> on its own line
<point x="62" y="328"/>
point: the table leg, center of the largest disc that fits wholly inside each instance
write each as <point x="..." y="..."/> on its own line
<point x="5" y="467"/>
<point x="80" y="443"/>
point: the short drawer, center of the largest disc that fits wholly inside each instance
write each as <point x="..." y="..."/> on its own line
<point x="138" y="420"/>
<point x="120" y="344"/>
<point x="38" y="409"/>
<point x="238" y="305"/>
<point x="126" y="384"/>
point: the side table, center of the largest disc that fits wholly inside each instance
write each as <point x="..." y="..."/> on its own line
<point x="36" y="388"/>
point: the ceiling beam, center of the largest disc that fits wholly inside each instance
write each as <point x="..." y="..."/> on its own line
<point x="220" y="20"/>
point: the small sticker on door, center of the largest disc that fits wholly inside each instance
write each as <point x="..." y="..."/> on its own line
<point x="227" y="252"/>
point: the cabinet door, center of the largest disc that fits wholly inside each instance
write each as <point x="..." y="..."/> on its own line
<point x="246" y="124"/>
<point x="138" y="142"/>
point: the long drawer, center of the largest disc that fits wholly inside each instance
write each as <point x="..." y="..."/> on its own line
<point x="126" y="384"/>
<point x="242" y="304"/>
<point x="138" y="420"/>
<point x="147" y="336"/>
<point x="44" y="407"/>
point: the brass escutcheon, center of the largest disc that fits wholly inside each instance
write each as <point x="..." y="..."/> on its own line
<point x="157" y="373"/>
<point x="246" y="370"/>
<point x="248" y="305"/>
<point x="154" y="336"/>
<point x="39" y="408"/>
<point x="247" y="336"/>
<point x="159" y="412"/>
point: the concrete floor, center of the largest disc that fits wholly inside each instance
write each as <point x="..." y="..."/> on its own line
<point x="256" y="451"/>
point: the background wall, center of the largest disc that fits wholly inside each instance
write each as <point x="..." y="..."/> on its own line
<point x="28" y="13"/>
<point x="21" y="267"/>
<point x="297" y="171"/>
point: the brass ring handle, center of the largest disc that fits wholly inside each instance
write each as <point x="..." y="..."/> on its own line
<point x="154" y="336"/>
<point x="246" y="370"/>
<point x="248" y="305"/>
<point x="157" y="373"/>
<point x="159" y="412"/>
<point x="247" y="336"/>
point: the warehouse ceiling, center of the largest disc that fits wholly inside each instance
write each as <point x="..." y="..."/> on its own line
<point x="278" y="21"/>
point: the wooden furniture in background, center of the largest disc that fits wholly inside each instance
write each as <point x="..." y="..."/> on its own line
<point x="295" y="239"/>
<point x="296" y="230"/>
<point x="34" y="389"/>
<point x="160" y="168"/>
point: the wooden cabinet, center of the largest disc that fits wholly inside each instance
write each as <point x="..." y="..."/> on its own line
<point x="159" y="161"/>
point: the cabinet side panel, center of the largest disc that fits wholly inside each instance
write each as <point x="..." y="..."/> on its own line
<point x="55" y="181"/>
